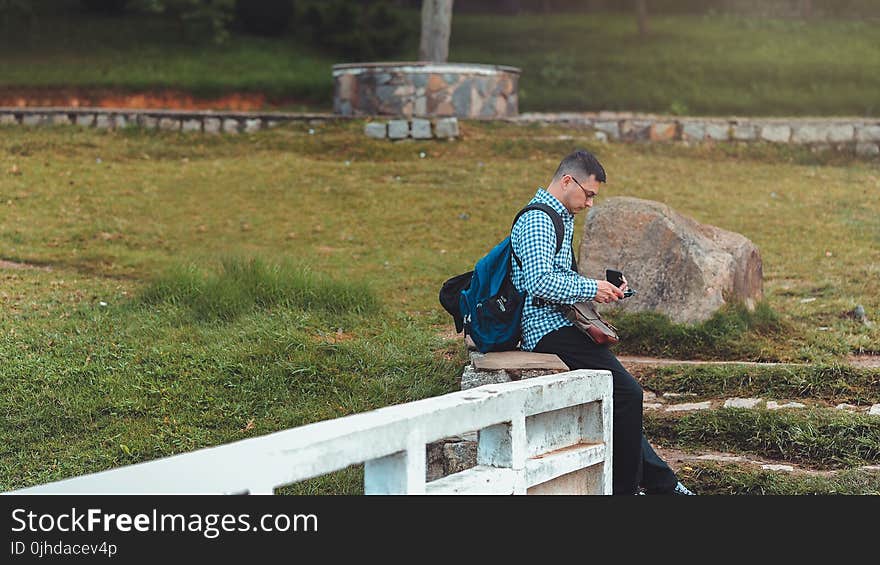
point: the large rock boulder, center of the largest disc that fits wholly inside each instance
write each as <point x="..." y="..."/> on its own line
<point x="678" y="266"/>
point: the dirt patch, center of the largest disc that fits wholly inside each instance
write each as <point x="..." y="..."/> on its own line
<point x="167" y="99"/>
<point x="14" y="266"/>
<point x="865" y="361"/>
<point x="678" y="459"/>
<point x="331" y="338"/>
<point x="655" y="361"/>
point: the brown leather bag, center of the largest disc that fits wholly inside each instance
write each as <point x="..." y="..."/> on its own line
<point x="585" y="318"/>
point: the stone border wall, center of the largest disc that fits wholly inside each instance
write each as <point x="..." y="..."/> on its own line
<point x="169" y="120"/>
<point x="861" y="133"/>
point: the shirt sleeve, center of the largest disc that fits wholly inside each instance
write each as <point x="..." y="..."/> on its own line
<point x="533" y="240"/>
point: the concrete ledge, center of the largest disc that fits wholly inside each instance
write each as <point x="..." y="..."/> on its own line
<point x="518" y="361"/>
<point x="502" y="368"/>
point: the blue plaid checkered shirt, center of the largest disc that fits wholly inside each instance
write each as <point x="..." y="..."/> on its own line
<point x="545" y="274"/>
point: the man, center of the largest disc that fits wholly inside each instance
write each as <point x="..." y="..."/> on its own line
<point x="547" y="278"/>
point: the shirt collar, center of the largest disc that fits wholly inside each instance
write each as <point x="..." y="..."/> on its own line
<point x="543" y="196"/>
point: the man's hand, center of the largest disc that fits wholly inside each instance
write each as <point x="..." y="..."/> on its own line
<point x="607" y="292"/>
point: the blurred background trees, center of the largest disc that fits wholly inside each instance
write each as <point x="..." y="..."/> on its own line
<point x="372" y="28"/>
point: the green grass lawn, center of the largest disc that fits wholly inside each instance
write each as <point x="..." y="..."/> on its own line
<point x="688" y="65"/>
<point x="152" y="332"/>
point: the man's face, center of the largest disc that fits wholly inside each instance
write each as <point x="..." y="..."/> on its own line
<point x="581" y="192"/>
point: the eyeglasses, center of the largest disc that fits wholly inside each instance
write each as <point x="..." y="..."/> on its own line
<point x="587" y="193"/>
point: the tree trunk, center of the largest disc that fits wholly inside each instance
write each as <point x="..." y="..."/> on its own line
<point x="436" y="28"/>
<point x="642" y="17"/>
<point x="806" y="9"/>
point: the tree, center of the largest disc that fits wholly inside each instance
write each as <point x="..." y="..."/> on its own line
<point x="642" y="17"/>
<point x="436" y="28"/>
<point x="215" y="14"/>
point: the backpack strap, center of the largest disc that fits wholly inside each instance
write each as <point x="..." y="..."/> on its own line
<point x="557" y="224"/>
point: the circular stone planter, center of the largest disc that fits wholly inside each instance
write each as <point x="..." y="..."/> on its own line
<point x="425" y="90"/>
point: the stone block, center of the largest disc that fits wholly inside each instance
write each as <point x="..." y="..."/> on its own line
<point x="398" y="129"/>
<point x="212" y="125"/>
<point x="610" y="128"/>
<point x="462" y="98"/>
<point x="8" y="120"/>
<point x="773" y="405"/>
<point x="33" y="119"/>
<point x="421" y="129"/>
<point x="271" y="123"/>
<point x="663" y="131"/>
<point x="744" y="132"/>
<point x="376" y="130"/>
<point x="868" y="133"/>
<point x="60" y="120"/>
<point x="120" y="121"/>
<point x="635" y="130"/>
<point x="809" y="133"/>
<point x="742" y="402"/>
<point x="717" y="131"/>
<point x="191" y="125"/>
<point x="230" y="125"/>
<point x="446" y="128"/>
<point x="776" y="133"/>
<point x="874" y="410"/>
<point x="689" y="406"/>
<point x="867" y="149"/>
<point x="776" y="467"/>
<point x="693" y="131"/>
<point x="170" y="124"/>
<point x="149" y="122"/>
<point x="85" y="120"/>
<point x="449" y="456"/>
<point x="841" y="133"/>
<point x="252" y="125"/>
<point x="421" y="105"/>
<point x="103" y="121"/>
<point x="346" y="86"/>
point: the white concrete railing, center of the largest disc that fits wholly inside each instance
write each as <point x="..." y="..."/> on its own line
<point x="543" y="435"/>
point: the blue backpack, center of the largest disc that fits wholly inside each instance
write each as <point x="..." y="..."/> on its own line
<point x="483" y="302"/>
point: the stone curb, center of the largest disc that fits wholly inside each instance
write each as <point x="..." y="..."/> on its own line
<point x="859" y="134"/>
<point x="821" y="133"/>
<point x="652" y="402"/>
<point x="202" y="121"/>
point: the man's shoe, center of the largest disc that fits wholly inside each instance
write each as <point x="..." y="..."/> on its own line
<point x="682" y="490"/>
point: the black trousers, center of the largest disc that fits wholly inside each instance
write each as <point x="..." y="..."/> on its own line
<point x="634" y="461"/>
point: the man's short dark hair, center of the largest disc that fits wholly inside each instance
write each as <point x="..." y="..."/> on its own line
<point x="580" y="165"/>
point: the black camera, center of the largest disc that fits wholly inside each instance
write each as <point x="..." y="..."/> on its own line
<point x="616" y="278"/>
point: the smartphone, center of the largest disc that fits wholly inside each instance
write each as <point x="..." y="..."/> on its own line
<point x="616" y="278"/>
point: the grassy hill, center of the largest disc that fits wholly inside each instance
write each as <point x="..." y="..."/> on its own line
<point x="177" y="291"/>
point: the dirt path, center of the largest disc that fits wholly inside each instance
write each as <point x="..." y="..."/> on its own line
<point x="627" y="360"/>
<point x="678" y="459"/>
<point x="11" y="265"/>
